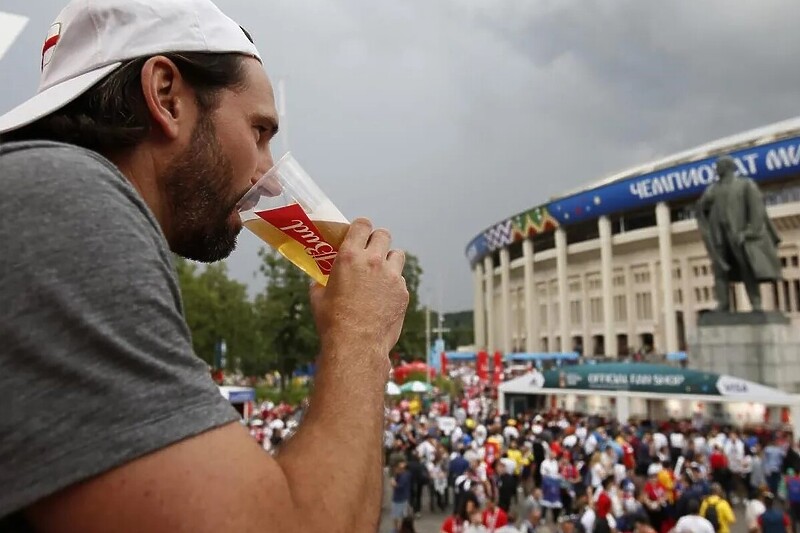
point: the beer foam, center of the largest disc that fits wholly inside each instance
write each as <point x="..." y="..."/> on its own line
<point x="326" y="211"/>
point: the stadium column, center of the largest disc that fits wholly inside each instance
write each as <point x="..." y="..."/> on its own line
<point x="531" y="305"/>
<point x="563" y="303"/>
<point x="488" y="267"/>
<point x="606" y="273"/>
<point x="479" y="316"/>
<point x="665" y="257"/>
<point x="505" y="301"/>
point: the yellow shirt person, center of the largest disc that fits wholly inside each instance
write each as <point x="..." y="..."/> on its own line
<point x="724" y="512"/>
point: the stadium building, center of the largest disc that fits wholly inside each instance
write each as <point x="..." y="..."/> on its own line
<point x="619" y="266"/>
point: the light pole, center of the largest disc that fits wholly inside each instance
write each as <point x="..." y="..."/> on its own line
<point x="427" y="344"/>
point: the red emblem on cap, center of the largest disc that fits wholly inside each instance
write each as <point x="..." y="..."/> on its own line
<point x="50" y="43"/>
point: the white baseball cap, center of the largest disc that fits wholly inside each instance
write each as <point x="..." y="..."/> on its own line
<point x="91" y="38"/>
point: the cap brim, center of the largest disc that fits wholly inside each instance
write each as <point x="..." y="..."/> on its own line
<point x="52" y="99"/>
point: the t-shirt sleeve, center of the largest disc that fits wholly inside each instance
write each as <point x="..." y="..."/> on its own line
<point x="96" y="365"/>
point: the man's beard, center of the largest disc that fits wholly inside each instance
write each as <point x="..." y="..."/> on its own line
<point x="197" y="187"/>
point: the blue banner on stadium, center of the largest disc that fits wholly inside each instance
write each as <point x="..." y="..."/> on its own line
<point x="763" y="163"/>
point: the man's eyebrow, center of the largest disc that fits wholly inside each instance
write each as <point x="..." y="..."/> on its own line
<point x="268" y="121"/>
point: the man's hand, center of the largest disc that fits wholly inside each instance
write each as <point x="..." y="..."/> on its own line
<point x="366" y="298"/>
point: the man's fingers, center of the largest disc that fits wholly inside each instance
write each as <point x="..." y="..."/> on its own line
<point x="358" y="235"/>
<point x="396" y="260"/>
<point x="379" y="242"/>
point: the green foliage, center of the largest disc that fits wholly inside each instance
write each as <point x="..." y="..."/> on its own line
<point x="284" y="311"/>
<point x="412" y="337"/>
<point x="275" y="331"/>
<point x="448" y="386"/>
<point x="216" y="309"/>
<point x="417" y="375"/>
<point x="291" y="394"/>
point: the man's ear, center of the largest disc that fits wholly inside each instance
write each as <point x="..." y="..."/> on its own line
<point x="166" y="95"/>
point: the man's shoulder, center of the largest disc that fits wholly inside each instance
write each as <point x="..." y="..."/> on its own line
<point x="58" y="169"/>
<point x="46" y="153"/>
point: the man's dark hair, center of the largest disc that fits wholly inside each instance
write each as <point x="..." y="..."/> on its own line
<point x="113" y="114"/>
<point x="693" y="507"/>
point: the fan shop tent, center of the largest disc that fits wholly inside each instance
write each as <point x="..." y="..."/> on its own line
<point x="623" y="390"/>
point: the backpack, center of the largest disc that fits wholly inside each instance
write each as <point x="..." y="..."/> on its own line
<point x="712" y="516"/>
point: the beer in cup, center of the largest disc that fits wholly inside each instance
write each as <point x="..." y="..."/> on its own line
<point x="288" y="211"/>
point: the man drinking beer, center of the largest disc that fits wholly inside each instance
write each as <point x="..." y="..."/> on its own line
<point x="152" y="119"/>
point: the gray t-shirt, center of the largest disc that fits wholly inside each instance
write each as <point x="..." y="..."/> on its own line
<point x="96" y="360"/>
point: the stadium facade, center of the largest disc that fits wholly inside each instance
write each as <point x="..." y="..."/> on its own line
<point x="619" y="266"/>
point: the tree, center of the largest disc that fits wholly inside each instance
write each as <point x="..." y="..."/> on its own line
<point x="217" y="309"/>
<point x="284" y="314"/>
<point x="412" y="337"/>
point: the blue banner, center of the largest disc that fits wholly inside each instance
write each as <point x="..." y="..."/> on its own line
<point x="769" y="162"/>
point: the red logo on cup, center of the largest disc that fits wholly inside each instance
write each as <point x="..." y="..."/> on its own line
<point x="294" y="222"/>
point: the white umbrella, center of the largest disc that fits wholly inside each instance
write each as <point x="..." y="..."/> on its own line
<point x="415" y="386"/>
<point x="392" y="389"/>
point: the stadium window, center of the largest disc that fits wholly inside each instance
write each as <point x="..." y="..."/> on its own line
<point x="775" y="296"/>
<point x="795" y="261"/>
<point x="796" y="285"/>
<point x="544" y="241"/>
<point x="575" y="312"/>
<point x="698" y="295"/>
<point x="598" y="310"/>
<point x="515" y="250"/>
<point x="678" y="296"/>
<point x="620" y="308"/>
<point x="706" y="294"/>
<point x="704" y="270"/>
<point x="787" y="300"/>
<point x="783" y="262"/>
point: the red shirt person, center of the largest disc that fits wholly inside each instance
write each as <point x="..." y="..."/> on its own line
<point x="494" y="517"/>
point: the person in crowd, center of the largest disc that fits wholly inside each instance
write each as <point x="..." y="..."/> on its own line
<point x="773" y="465"/>
<point x="506" y="486"/>
<point x="774" y="519"/>
<point x="493" y="517"/>
<point x="717" y="510"/>
<point x="792" y="458"/>
<point x="475" y="524"/>
<point x="792" y="484"/>
<point x="551" y="486"/>
<point x="758" y="476"/>
<point x="655" y="497"/>
<point x="642" y="525"/>
<point x="533" y="523"/>
<point x="755" y="508"/>
<point x="401" y="494"/>
<point x="692" y="522"/>
<point x="720" y="469"/>
<point x="458" y="521"/>
<point x="419" y="480"/>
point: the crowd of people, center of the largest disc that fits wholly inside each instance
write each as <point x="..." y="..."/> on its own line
<point x="564" y="472"/>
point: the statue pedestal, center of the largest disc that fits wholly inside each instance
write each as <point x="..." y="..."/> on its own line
<point x="757" y="346"/>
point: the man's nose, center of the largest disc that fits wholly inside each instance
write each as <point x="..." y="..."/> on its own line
<point x="263" y="167"/>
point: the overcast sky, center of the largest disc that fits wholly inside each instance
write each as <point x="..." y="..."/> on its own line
<point x="438" y="119"/>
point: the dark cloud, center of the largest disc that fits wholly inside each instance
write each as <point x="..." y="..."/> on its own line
<point x="438" y="119"/>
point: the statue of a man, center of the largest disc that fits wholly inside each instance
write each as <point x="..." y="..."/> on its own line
<point x="739" y="236"/>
